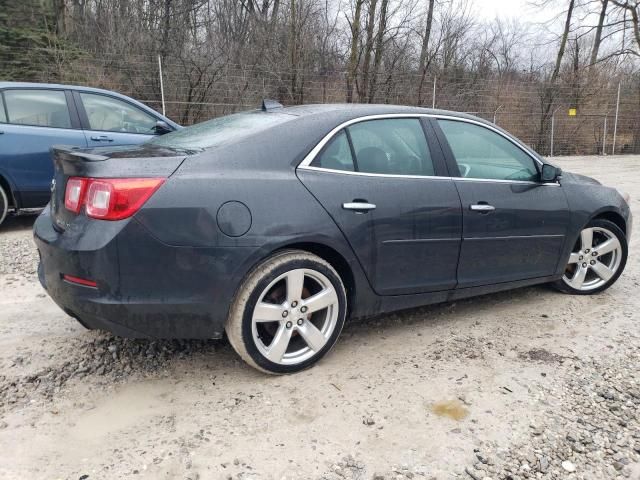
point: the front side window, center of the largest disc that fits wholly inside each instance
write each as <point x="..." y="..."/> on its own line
<point x="109" y="114"/>
<point x="394" y="146"/>
<point x="483" y="153"/>
<point x="336" y="155"/>
<point x="41" y="108"/>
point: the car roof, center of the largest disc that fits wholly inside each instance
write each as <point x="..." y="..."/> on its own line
<point x="56" y="85"/>
<point x="345" y="111"/>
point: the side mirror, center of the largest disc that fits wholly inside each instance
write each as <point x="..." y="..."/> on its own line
<point x="550" y="173"/>
<point x="162" y="127"/>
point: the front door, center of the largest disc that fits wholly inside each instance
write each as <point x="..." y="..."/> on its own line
<point x="390" y="196"/>
<point x="514" y="226"/>
<point x="110" y="121"/>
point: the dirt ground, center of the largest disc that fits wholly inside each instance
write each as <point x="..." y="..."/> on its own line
<point x="523" y="384"/>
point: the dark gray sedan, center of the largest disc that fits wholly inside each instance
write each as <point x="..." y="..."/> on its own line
<point x="276" y="225"/>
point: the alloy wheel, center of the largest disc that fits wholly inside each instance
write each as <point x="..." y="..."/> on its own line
<point x="595" y="259"/>
<point x="295" y="316"/>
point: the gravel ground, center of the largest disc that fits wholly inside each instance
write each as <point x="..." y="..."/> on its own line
<point x="522" y="384"/>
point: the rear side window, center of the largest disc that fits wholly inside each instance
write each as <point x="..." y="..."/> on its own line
<point x="109" y="114"/>
<point x="336" y="155"/>
<point x="483" y="153"/>
<point x="3" y="114"/>
<point x="42" y="108"/>
<point x="395" y="146"/>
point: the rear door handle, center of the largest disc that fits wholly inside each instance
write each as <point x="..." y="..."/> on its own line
<point x="359" y="206"/>
<point x="482" y="208"/>
<point x="101" y="138"/>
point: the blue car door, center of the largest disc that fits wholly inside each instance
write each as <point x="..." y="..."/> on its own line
<point x="110" y="121"/>
<point x="36" y="119"/>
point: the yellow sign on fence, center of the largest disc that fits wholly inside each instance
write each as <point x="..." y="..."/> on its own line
<point x="573" y="112"/>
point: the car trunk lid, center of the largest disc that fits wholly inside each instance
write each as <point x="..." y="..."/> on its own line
<point x="140" y="161"/>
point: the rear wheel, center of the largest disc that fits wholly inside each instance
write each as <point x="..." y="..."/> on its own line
<point x="4" y="205"/>
<point x="597" y="259"/>
<point x="288" y="313"/>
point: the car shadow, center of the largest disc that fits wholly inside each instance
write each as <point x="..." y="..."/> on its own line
<point x="18" y="223"/>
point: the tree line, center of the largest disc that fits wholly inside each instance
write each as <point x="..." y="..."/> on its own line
<point x="219" y="55"/>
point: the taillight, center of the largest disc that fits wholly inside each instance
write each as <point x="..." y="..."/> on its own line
<point x="74" y="193"/>
<point x="114" y="198"/>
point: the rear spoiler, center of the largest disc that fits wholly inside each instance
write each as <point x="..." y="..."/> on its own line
<point x="74" y="154"/>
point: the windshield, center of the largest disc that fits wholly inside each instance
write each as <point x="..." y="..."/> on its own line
<point x="220" y="130"/>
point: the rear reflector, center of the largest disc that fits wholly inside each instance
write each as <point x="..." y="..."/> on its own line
<point x="80" y="281"/>
<point x="109" y="198"/>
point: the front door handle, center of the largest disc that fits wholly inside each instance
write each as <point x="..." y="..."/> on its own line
<point x="101" y="138"/>
<point x="482" y="208"/>
<point x="359" y="206"/>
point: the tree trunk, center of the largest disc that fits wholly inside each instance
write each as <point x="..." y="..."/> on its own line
<point x="292" y="50"/>
<point x="353" y="56"/>
<point x="424" y="50"/>
<point x="377" y="59"/>
<point x="368" y="48"/>
<point x="598" y="39"/>
<point x="549" y="93"/>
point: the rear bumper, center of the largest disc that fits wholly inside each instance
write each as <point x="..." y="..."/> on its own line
<point x="145" y="288"/>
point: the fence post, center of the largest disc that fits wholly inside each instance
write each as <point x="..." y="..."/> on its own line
<point x="496" y="113"/>
<point x="615" y="125"/>
<point x="553" y="126"/>
<point x="161" y="84"/>
<point x="604" y="136"/>
<point x="433" y="103"/>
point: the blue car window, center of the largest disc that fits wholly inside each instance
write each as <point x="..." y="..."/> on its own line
<point x="109" y="114"/>
<point x="3" y="114"/>
<point x="395" y="146"/>
<point x="336" y="154"/>
<point x="483" y="153"/>
<point x="42" y="108"/>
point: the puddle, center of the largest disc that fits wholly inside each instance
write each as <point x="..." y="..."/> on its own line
<point x="450" y="408"/>
<point x="125" y="409"/>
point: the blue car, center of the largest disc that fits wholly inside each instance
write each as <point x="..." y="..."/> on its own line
<point x="35" y="116"/>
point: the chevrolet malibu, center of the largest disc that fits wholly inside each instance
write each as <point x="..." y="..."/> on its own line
<point x="276" y="225"/>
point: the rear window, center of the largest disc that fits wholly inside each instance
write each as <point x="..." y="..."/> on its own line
<point x="42" y="108"/>
<point x="221" y="130"/>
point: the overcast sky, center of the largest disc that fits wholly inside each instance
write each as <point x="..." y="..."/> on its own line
<point x="520" y="9"/>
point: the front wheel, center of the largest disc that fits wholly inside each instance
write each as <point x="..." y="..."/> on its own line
<point x="597" y="259"/>
<point x="288" y="313"/>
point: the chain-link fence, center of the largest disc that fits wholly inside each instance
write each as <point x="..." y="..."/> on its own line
<point x="585" y="113"/>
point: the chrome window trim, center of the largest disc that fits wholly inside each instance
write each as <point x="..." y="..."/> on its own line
<point x="388" y="175"/>
<point x="305" y="164"/>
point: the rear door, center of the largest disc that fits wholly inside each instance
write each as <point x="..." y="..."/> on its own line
<point x="36" y="119"/>
<point x="109" y="121"/>
<point x="514" y="226"/>
<point x="391" y="196"/>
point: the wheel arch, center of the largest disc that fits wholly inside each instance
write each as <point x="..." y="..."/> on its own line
<point x="613" y="217"/>
<point x="6" y="186"/>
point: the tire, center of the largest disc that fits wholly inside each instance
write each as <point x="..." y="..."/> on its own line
<point x="601" y="270"/>
<point x="278" y="321"/>
<point x="4" y="205"/>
